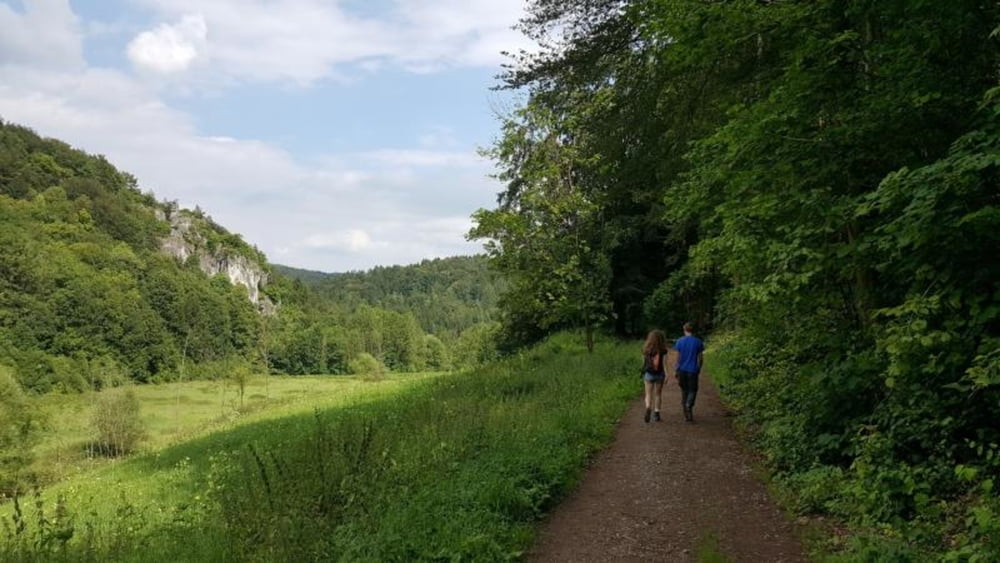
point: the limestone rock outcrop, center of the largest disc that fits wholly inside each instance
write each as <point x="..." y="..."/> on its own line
<point x="186" y="240"/>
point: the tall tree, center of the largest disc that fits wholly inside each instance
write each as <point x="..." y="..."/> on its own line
<point x="545" y="235"/>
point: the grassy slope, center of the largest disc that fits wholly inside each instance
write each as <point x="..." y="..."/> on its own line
<point x="456" y="467"/>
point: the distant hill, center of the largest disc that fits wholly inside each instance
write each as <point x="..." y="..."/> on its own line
<point x="308" y="277"/>
<point x="446" y="295"/>
<point x="100" y="283"/>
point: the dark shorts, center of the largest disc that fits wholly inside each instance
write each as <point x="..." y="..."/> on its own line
<point x="653" y="378"/>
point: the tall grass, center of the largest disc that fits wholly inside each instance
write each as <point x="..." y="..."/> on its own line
<point x="458" y="467"/>
<point x="174" y="412"/>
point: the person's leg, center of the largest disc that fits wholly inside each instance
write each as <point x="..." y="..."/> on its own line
<point x="692" y="391"/>
<point x="689" y="387"/>
<point x="682" y="381"/>
<point x="649" y="397"/>
<point x="657" y="399"/>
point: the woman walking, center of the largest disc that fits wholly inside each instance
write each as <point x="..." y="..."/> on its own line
<point x="654" y="353"/>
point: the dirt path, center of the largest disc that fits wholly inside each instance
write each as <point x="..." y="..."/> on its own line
<point x="670" y="491"/>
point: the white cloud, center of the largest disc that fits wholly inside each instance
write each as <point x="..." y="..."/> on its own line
<point x="351" y="240"/>
<point x="349" y="210"/>
<point x="458" y="32"/>
<point x="305" y="40"/>
<point x="439" y="136"/>
<point x="406" y="158"/>
<point x="46" y="34"/>
<point x="169" y="48"/>
<point x="345" y="212"/>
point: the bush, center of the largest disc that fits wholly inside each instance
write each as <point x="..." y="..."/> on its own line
<point x="104" y="372"/>
<point x="476" y="346"/>
<point x="117" y="422"/>
<point x="365" y="364"/>
<point x="19" y="426"/>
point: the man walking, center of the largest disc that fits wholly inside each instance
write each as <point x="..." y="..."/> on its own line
<point x="689" y="357"/>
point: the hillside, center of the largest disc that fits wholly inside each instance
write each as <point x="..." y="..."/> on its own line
<point x="100" y="283"/>
<point x="103" y="284"/>
<point x="305" y="276"/>
<point x="446" y="295"/>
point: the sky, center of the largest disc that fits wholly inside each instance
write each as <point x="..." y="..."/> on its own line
<point x="333" y="135"/>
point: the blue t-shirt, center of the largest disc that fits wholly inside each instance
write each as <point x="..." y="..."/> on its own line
<point x="688" y="348"/>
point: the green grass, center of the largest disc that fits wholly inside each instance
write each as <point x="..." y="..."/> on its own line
<point x="709" y="550"/>
<point x="456" y="467"/>
<point x="174" y="412"/>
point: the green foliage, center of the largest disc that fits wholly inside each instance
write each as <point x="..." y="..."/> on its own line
<point x="86" y="297"/>
<point x="477" y="346"/>
<point x="410" y="318"/>
<point x="117" y="423"/>
<point x="546" y="234"/>
<point x="366" y="364"/>
<point x="437" y="354"/>
<point x="19" y="432"/>
<point x="445" y="295"/>
<point x="241" y="375"/>
<point x="825" y="197"/>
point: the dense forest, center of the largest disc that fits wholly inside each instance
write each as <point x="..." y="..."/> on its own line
<point x="815" y="182"/>
<point x="87" y="298"/>
<point x="446" y="295"/>
<point x="438" y="314"/>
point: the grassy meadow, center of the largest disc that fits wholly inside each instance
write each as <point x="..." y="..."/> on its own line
<point x="451" y="467"/>
<point x="173" y="412"/>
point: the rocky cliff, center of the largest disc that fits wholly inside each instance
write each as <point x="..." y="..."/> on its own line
<point x="194" y="235"/>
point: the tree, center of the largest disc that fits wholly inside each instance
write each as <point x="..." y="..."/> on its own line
<point x="545" y="234"/>
<point x="20" y="424"/>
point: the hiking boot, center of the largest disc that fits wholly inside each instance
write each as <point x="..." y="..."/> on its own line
<point x="646" y="417"/>
<point x="656" y="416"/>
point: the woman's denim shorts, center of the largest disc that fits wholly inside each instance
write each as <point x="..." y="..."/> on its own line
<point x="653" y="378"/>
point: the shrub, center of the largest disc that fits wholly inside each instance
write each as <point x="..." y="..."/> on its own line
<point x="104" y="372"/>
<point x="19" y="426"/>
<point x="365" y="364"/>
<point x="117" y="422"/>
<point x="241" y="375"/>
<point x="68" y="374"/>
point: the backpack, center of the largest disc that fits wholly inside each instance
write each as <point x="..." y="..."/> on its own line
<point x="647" y="364"/>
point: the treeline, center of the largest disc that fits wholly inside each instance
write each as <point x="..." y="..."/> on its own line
<point x="818" y="182"/>
<point x="446" y="295"/>
<point x="438" y="314"/>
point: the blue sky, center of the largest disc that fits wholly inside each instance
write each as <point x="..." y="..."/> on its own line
<point x="333" y="135"/>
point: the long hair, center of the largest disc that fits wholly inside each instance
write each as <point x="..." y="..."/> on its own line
<point x="656" y="341"/>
